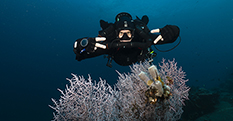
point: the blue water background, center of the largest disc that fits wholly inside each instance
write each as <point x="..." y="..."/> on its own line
<point x="37" y="36"/>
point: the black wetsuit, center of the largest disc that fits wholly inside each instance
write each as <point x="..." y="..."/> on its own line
<point x="122" y="56"/>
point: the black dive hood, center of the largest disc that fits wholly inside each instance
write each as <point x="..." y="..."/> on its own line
<point x="123" y="21"/>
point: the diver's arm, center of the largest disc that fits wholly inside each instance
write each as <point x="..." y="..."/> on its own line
<point x="108" y="30"/>
<point x="168" y="34"/>
<point x="90" y="50"/>
<point x="86" y="48"/>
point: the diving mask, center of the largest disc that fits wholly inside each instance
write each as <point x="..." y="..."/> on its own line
<point x="125" y="35"/>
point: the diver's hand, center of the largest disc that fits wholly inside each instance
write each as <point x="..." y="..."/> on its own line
<point x="169" y="33"/>
<point x="88" y="44"/>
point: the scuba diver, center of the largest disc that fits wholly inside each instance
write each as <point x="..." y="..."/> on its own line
<point x="126" y="41"/>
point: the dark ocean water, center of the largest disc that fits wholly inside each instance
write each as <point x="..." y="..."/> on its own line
<point x="37" y="36"/>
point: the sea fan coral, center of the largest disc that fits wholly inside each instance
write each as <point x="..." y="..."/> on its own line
<point x="128" y="100"/>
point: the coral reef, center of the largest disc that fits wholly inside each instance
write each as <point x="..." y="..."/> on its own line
<point x="160" y="97"/>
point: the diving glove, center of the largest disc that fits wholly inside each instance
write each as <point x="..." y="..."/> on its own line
<point x="170" y="33"/>
<point x="84" y="45"/>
